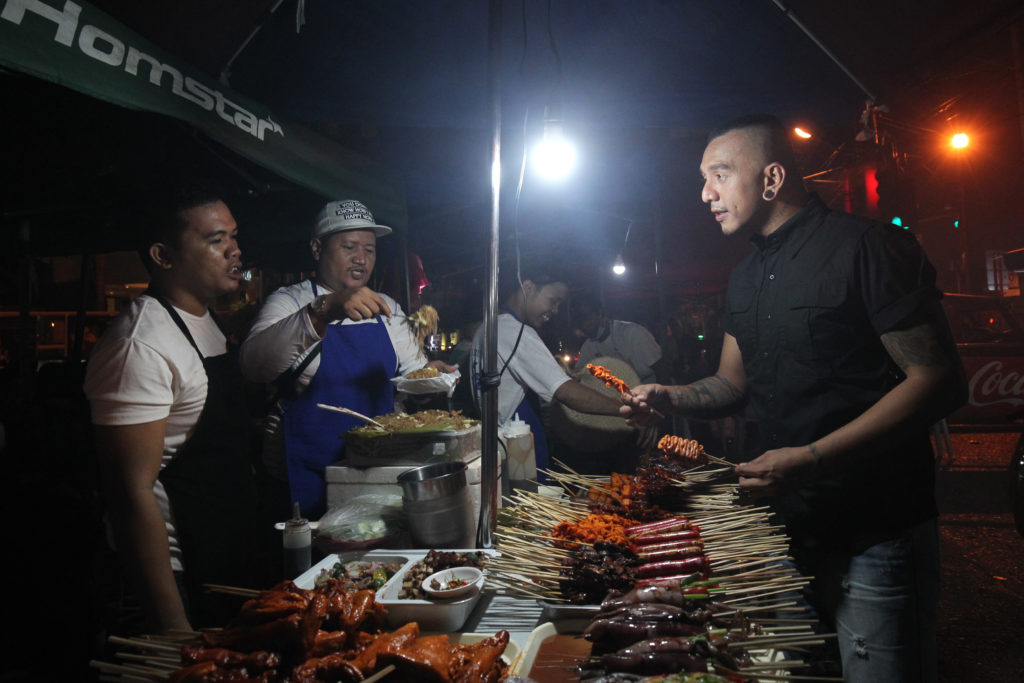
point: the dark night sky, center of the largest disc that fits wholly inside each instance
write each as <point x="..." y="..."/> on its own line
<point x="639" y="84"/>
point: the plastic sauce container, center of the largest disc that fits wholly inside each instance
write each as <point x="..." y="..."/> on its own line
<point x="521" y="458"/>
<point x="297" y="545"/>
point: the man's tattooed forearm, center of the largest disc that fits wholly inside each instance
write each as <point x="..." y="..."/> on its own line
<point x="709" y="394"/>
<point x="916" y="347"/>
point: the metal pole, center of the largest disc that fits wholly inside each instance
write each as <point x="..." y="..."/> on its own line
<point x="821" y="45"/>
<point x="489" y="393"/>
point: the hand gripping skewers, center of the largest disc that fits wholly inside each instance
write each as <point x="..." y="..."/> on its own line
<point x="606" y="376"/>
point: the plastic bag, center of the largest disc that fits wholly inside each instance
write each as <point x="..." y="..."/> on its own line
<point x="442" y="384"/>
<point x="364" y="519"/>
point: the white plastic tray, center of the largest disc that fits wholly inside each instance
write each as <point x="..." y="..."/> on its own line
<point x="307" y="579"/>
<point x="441" y="616"/>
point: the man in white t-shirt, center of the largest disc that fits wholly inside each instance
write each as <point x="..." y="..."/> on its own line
<point x="169" y="418"/>
<point x="526" y="367"/>
<point x="620" y="339"/>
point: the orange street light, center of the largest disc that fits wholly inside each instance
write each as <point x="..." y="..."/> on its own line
<point x="801" y="133"/>
<point x="959" y="141"/>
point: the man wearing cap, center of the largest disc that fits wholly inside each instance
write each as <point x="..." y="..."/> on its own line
<point x="329" y="340"/>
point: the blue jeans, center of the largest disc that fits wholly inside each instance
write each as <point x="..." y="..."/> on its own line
<point x="883" y="604"/>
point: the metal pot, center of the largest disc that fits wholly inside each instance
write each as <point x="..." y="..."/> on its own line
<point x="438" y="505"/>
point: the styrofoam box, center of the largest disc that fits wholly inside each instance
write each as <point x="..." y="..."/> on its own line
<point x="345" y="482"/>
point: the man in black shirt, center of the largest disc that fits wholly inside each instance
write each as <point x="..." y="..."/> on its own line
<point x="835" y="335"/>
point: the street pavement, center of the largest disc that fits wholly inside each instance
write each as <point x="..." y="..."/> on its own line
<point x="981" y="617"/>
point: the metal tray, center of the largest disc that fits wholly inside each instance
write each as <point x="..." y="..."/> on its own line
<point x="553" y="611"/>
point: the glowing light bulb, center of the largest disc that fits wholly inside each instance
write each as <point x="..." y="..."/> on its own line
<point x="554" y="158"/>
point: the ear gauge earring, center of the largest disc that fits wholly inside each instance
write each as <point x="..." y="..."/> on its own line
<point x="769" y="195"/>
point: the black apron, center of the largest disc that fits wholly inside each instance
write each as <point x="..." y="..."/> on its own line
<point x="213" y="494"/>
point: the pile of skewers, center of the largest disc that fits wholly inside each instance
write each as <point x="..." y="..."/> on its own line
<point x="306" y="636"/>
<point x="678" y="572"/>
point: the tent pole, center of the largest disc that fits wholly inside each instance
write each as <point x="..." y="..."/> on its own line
<point x="489" y="393"/>
<point x="225" y="73"/>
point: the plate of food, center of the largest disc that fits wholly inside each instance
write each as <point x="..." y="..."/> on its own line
<point x="427" y="381"/>
<point x="430" y="422"/>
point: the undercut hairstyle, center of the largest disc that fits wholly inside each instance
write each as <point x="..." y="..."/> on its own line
<point x="159" y="214"/>
<point x="766" y="131"/>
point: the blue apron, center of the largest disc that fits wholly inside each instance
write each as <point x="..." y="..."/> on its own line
<point x="357" y="363"/>
<point x="531" y="416"/>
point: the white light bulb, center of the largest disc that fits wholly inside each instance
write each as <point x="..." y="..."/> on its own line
<point x="620" y="266"/>
<point x="554" y="158"/>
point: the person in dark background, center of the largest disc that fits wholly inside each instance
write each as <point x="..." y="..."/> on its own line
<point x="332" y="340"/>
<point x="171" y="420"/>
<point x="835" y="334"/>
<point x="620" y="339"/>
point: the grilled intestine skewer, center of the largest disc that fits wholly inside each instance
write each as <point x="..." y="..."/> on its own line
<point x="688" y="449"/>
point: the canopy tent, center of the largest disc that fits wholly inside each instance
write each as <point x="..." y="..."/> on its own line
<point x="80" y="47"/>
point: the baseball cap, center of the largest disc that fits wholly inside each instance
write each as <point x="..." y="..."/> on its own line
<point x="346" y="214"/>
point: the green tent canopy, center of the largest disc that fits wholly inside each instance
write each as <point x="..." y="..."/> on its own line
<point x="77" y="46"/>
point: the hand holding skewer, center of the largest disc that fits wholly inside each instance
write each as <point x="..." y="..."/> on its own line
<point x="777" y="471"/>
<point x="631" y="409"/>
<point x="643" y="402"/>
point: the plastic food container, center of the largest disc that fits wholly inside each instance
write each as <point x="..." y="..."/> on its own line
<point x="307" y="579"/>
<point x="439" y="616"/>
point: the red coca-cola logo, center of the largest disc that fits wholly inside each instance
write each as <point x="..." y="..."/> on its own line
<point x="990" y="385"/>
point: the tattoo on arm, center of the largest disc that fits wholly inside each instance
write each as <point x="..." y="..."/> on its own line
<point x="918" y="346"/>
<point x="709" y="394"/>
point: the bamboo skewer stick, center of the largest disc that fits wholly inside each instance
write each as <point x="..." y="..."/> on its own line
<point x="144" y="643"/>
<point x="231" y="590"/>
<point x="174" y="662"/>
<point x="380" y="674"/>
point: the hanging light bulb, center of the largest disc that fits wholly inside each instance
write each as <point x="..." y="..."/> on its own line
<point x="620" y="266"/>
<point x="554" y="157"/>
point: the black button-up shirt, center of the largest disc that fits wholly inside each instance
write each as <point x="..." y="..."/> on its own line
<point x="807" y="308"/>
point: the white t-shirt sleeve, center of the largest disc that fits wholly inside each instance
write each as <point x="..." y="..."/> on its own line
<point x="128" y="383"/>
<point x="641" y="346"/>
<point x="534" y="367"/>
<point x="280" y="336"/>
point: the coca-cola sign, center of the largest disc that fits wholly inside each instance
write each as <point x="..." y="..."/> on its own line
<point x="992" y="383"/>
<point x="996" y="387"/>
